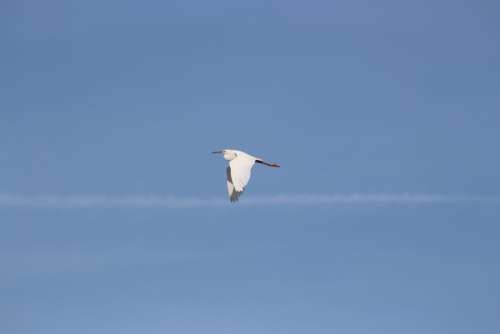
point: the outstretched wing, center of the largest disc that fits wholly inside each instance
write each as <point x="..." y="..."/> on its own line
<point x="233" y="194"/>
<point x="238" y="174"/>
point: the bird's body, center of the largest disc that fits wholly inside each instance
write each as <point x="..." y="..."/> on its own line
<point x="239" y="171"/>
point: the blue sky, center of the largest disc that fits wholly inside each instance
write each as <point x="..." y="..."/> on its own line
<point x="120" y="99"/>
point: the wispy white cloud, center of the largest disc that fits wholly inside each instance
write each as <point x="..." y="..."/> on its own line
<point x="8" y="200"/>
<point x="102" y="201"/>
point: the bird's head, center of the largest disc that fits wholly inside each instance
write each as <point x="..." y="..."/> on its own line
<point x="227" y="154"/>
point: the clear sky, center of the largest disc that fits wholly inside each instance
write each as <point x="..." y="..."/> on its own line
<point x="107" y="100"/>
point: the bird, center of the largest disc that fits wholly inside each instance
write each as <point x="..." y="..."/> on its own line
<point x="239" y="170"/>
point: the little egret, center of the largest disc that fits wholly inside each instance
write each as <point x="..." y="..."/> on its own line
<point x="239" y="171"/>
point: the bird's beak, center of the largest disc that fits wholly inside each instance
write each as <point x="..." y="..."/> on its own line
<point x="215" y="152"/>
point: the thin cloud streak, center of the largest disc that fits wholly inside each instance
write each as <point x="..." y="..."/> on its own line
<point x="8" y="200"/>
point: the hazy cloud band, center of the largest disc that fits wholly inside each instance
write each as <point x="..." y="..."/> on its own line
<point x="8" y="200"/>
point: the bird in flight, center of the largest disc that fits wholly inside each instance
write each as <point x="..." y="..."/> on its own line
<point x="239" y="171"/>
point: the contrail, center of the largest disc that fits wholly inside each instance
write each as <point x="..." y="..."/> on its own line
<point x="9" y="200"/>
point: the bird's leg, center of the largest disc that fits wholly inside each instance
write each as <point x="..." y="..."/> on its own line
<point x="267" y="163"/>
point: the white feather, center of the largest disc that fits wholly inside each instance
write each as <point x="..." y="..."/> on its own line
<point x="241" y="171"/>
<point x="233" y="194"/>
<point x="238" y="174"/>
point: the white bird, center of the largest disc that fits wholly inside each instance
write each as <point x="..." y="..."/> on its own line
<point x="239" y="171"/>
